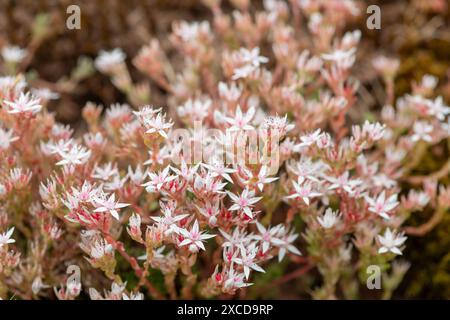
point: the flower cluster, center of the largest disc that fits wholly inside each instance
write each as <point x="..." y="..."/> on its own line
<point x="251" y="162"/>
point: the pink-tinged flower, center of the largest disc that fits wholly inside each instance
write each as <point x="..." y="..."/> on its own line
<point x="266" y="236"/>
<point x="19" y="178"/>
<point x="86" y="194"/>
<point x="244" y="202"/>
<point x="75" y="155"/>
<point x="241" y="121"/>
<point x="278" y="124"/>
<point x="208" y="184"/>
<point x="168" y="222"/>
<point x="391" y="242"/>
<point x="284" y="242"/>
<point x="109" y="205"/>
<point x="210" y="211"/>
<point x="157" y="124"/>
<point x="247" y="260"/>
<point x="343" y="182"/>
<point x="26" y="103"/>
<point x="329" y="219"/>
<point x="186" y="172"/>
<point x="381" y="205"/>
<point x="217" y="169"/>
<point x="237" y="238"/>
<point x="100" y="249"/>
<point x="374" y="131"/>
<point x="303" y="190"/>
<point x="94" y="140"/>
<point x="422" y="131"/>
<point x="261" y="179"/>
<point x="308" y="169"/>
<point x="194" y="238"/>
<point x="235" y="280"/>
<point x="6" y="137"/>
<point x="158" y="180"/>
<point x="5" y="237"/>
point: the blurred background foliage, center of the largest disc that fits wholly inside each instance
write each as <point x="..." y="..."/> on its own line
<point x="416" y="31"/>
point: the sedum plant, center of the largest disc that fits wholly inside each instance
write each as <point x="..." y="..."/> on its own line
<point x="254" y="159"/>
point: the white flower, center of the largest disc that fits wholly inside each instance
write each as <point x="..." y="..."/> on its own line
<point x="247" y="260"/>
<point x="250" y="60"/>
<point x="284" y="241"/>
<point x="241" y="121"/>
<point x="157" y="124"/>
<point x="5" y="237"/>
<point x="263" y="178"/>
<point x="45" y="94"/>
<point x="6" y="137"/>
<point x="194" y="110"/>
<point x="391" y="242"/>
<point x="422" y="131"/>
<point x="158" y="180"/>
<point x="381" y="205"/>
<point x="168" y="221"/>
<point x="235" y="280"/>
<point x="266" y="236"/>
<point x="13" y="54"/>
<point x="190" y="32"/>
<point x="343" y="58"/>
<point x="138" y="175"/>
<point x="108" y="60"/>
<point x="252" y="56"/>
<point x="218" y="169"/>
<point x="230" y="92"/>
<point x="329" y="219"/>
<point x="24" y="104"/>
<point x="109" y="205"/>
<point x="100" y="249"/>
<point x="194" y="238"/>
<point x="344" y="182"/>
<point x="309" y="139"/>
<point x="135" y="221"/>
<point x="303" y="190"/>
<point x="437" y="108"/>
<point x="133" y="296"/>
<point x="244" y="202"/>
<point x="76" y="154"/>
<point x="105" y="172"/>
